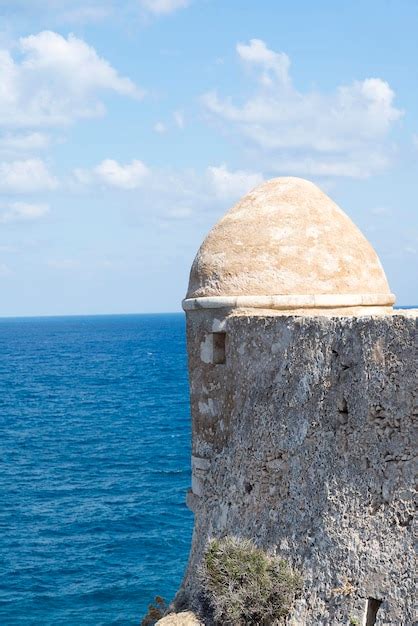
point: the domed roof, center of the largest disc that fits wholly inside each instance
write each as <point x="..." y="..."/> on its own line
<point x="286" y="241"/>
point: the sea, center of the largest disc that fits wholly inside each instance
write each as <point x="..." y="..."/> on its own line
<point x="94" y="467"/>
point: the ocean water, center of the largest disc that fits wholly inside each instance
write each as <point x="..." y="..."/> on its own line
<point x="94" y="467"/>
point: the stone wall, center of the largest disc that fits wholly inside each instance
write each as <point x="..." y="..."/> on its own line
<point x="303" y="441"/>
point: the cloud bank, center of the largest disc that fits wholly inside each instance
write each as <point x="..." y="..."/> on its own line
<point x="343" y="133"/>
<point x="56" y="80"/>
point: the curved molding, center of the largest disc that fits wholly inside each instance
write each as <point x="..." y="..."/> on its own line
<point x="317" y="301"/>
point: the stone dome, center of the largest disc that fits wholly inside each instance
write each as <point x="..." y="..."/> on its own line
<point x="286" y="244"/>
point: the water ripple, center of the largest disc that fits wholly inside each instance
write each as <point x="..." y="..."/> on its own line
<point x="94" y="466"/>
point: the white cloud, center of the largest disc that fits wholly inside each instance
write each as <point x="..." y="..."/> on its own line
<point x="64" y="264"/>
<point x="350" y="164"/>
<point x="129" y="176"/>
<point x="90" y="11"/>
<point x="23" y="211"/>
<point x="112" y="174"/>
<point x="163" y="7"/>
<point x="5" y="271"/>
<point x="184" y="192"/>
<point x="85" y="14"/>
<point x="159" y="128"/>
<point x="79" y="11"/>
<point x="381" y="211"/>
<point x="343" y="133"/>
<point x="411" y="250"/>
<point x="229" y="185"/>
<point x="55" y="81"/>
<point x="179" y="119"/>
<point x="190" y="195"/>
<point x="23" y="142"/>
<point x="179" y="213"/>
<point x="24" y="176"/>
<point x="275" y="65"/>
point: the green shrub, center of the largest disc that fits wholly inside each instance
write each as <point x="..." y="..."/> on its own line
<point x="244" y="585"/>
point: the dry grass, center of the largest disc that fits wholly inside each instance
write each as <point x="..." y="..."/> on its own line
<point x="246" y="586"/>
<point x="346" y="588"/>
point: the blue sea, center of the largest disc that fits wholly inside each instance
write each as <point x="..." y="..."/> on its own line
<point x="94" y="467"/>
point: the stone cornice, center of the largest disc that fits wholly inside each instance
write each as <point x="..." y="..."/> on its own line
<point x="309" y="301"/>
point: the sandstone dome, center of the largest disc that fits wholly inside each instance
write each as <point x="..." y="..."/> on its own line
<point x="286" y="244"/>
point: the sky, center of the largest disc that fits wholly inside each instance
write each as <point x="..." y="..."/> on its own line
<point x="127" y="128"/>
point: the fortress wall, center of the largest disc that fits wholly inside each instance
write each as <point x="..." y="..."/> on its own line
<point x="303" y="441"/>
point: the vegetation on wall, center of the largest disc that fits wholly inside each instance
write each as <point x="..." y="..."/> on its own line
<point x="246" y="586"/>
<point x="155" y="612"/>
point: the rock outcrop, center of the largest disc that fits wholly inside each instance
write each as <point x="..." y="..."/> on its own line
<point x="184" y="618"/>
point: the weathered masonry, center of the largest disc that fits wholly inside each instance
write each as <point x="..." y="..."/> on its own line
<point x="304" y="392"/>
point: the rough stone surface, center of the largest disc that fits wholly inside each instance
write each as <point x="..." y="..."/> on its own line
<point x="303" y="441"/>
<point x="286" y="237"/>
<point x="185" y="618"/>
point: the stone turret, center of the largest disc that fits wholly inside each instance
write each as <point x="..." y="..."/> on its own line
<point x="286" y="246"/>
<point x="303" y="384"/>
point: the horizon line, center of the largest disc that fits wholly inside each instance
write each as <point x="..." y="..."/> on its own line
<point x="179" y="312"/>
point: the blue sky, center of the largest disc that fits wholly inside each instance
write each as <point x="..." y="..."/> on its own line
<point x="128" y="128"/>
